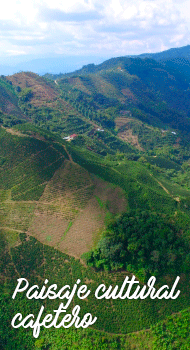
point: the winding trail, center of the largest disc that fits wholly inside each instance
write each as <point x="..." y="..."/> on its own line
<point x="164" y="188"/>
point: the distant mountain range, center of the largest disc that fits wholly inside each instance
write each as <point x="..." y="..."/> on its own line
<point x="56" y="64"/>
<point x="66" y="64"/>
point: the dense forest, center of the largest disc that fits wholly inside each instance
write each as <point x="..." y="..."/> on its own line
<point x="143" y="243"/>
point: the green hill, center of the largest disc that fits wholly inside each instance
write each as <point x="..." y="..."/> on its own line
<point x="110" y="200"/>
<point x="177" y="52"/>
<point x="50" y="191"/>
<point x="178" y="58"/>
<point x="137" y="89"/>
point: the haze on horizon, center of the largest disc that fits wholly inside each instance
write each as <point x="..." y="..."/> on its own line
<point x="89" y="31"/>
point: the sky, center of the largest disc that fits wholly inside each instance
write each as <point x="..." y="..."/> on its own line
<point x="92" y="28"/>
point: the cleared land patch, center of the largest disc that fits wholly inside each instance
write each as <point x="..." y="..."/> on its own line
<point x="125" y="132"/>
<point x="42" y="92"/>
<point x="71" y="197"/>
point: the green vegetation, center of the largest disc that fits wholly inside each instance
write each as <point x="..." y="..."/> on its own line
<point x="67" y="229"/>
<point x="25" y="94"/>
<point x="146" y="244"/>
<point x="142" y="190"/>
<point x="131" y="152"/>
<point x="35" y="261"/>
<point x="27" y="164"/>
<point x="173" y="333"/>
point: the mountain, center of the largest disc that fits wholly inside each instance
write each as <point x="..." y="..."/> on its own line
<point x="178" y="58"/>
<point x="54" y="64"/>
<point x="179" y="52"/>
<point x="155" y="91"/>
<point x="94" y="186"/>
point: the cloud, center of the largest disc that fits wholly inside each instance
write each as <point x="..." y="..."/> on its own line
<point x="92" y="27"/>
<point x="60" y="16"/>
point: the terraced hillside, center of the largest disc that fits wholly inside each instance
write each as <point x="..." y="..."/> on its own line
<point x="110" y="201"/>
<point x="50" y="189"/>
<point x="64" y="197"/>
<point x="49" y="196"/>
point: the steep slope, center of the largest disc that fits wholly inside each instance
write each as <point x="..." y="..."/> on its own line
<point x="57" y="195"/>
<point x="49" y="196"/>
<point x="85" y="102"/>
<point x="156" y="94"/>
<point x="10" y="112"/>
<point x="68" y="204"/>
<point x="50" y="189"/>
<point x="177" y="58"/>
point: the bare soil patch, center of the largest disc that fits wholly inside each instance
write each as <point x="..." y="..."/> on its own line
<point x="129" y="94"/>
<point x="127" y="136"/>
<point x="42" y="92"/>
<point x="79" y="238"/>
<point x="14" y="132"/>
<point x="125" y="132"/>
<point x="48" y="228"/>
<point x="72" y="209"/>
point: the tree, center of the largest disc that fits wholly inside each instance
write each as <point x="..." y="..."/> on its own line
<point x="26" y="94"/>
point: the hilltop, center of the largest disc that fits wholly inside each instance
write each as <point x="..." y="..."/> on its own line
<point x="178" y="52"/>
<point x="178" y="58"/>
